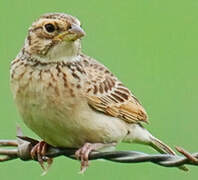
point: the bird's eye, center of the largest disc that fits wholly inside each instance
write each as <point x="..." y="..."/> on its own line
<point x="69" y="26"/>
<point x="50" y="28"/>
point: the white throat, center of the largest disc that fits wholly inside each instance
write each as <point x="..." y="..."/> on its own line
<point x="63" y="51"/>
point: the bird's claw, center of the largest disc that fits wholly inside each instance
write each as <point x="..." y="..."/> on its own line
<point x="38" y="153"/>
<point x="82" y="154"/>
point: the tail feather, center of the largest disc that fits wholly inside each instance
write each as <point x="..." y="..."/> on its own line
<point x="161" y="147"/>
<point x="164" y="149"/>
<point x="139" y="134"/>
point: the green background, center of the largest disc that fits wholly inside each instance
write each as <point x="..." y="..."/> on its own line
<point x="152" y="46"/>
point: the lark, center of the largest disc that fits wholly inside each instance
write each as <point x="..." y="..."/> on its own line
<point x="71" y="100"/>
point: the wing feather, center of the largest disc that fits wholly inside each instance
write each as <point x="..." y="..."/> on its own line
<point x="107" y="94"/>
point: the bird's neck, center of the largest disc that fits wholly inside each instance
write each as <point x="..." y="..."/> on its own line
<point x="65" y="51"/>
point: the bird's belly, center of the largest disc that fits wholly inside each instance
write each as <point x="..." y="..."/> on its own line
<point x="60" y="115"/>
<point x="68" y="122"/>
<point x="65" y="129"/>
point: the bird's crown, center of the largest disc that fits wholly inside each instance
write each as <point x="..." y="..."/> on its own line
<point x="54" y="34"/>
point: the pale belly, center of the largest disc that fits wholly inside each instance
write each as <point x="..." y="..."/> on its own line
<point x="68" y="122"/>
<point x="59" y="114"/>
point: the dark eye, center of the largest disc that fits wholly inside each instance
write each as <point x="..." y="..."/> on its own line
<point x="69" y="26"/>
<point x="50" y="28"/>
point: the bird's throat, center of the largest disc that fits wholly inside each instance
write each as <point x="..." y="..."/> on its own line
<point x="63" y="51"/>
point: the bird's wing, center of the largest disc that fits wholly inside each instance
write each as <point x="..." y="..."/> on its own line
<point x="107" y="94"/>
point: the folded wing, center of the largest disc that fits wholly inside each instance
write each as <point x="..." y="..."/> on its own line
<point x="107" y="94"/>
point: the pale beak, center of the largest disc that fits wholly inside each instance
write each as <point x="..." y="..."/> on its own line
<point x="76" y="31"/>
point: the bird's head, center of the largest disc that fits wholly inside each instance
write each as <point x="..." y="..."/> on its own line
<point x="54" y="36"/>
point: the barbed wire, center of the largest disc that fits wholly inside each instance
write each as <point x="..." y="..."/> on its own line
<point x="23" y="146"/>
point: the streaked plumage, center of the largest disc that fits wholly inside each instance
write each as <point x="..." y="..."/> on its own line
<point x="68" y="98"/>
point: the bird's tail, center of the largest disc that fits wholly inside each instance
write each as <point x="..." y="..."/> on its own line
<point x="160" y="146"/>
<point x="163" y="148"/>
<point x="139" y="134"/>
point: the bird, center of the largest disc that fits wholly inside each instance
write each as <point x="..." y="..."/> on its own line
<point x="69" y="99"/>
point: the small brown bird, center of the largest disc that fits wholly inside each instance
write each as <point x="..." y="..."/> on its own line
<point x="68" y="98"/>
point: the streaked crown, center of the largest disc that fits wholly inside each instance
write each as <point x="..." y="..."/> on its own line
<point x="54" y="33"/>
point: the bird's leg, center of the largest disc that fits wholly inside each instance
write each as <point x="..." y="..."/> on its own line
<point x="82" y="154"/>
<point x="39" y="152"/>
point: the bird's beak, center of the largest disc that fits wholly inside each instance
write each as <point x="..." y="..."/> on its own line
<point x="74" y="33"/>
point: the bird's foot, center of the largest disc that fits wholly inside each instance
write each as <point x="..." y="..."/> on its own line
<point x="82" y="154"/>
<point x="38" y="153"/>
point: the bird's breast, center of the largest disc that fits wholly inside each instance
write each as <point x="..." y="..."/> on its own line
<point x="52" y="104"/>
<point x="45" y="97"/>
